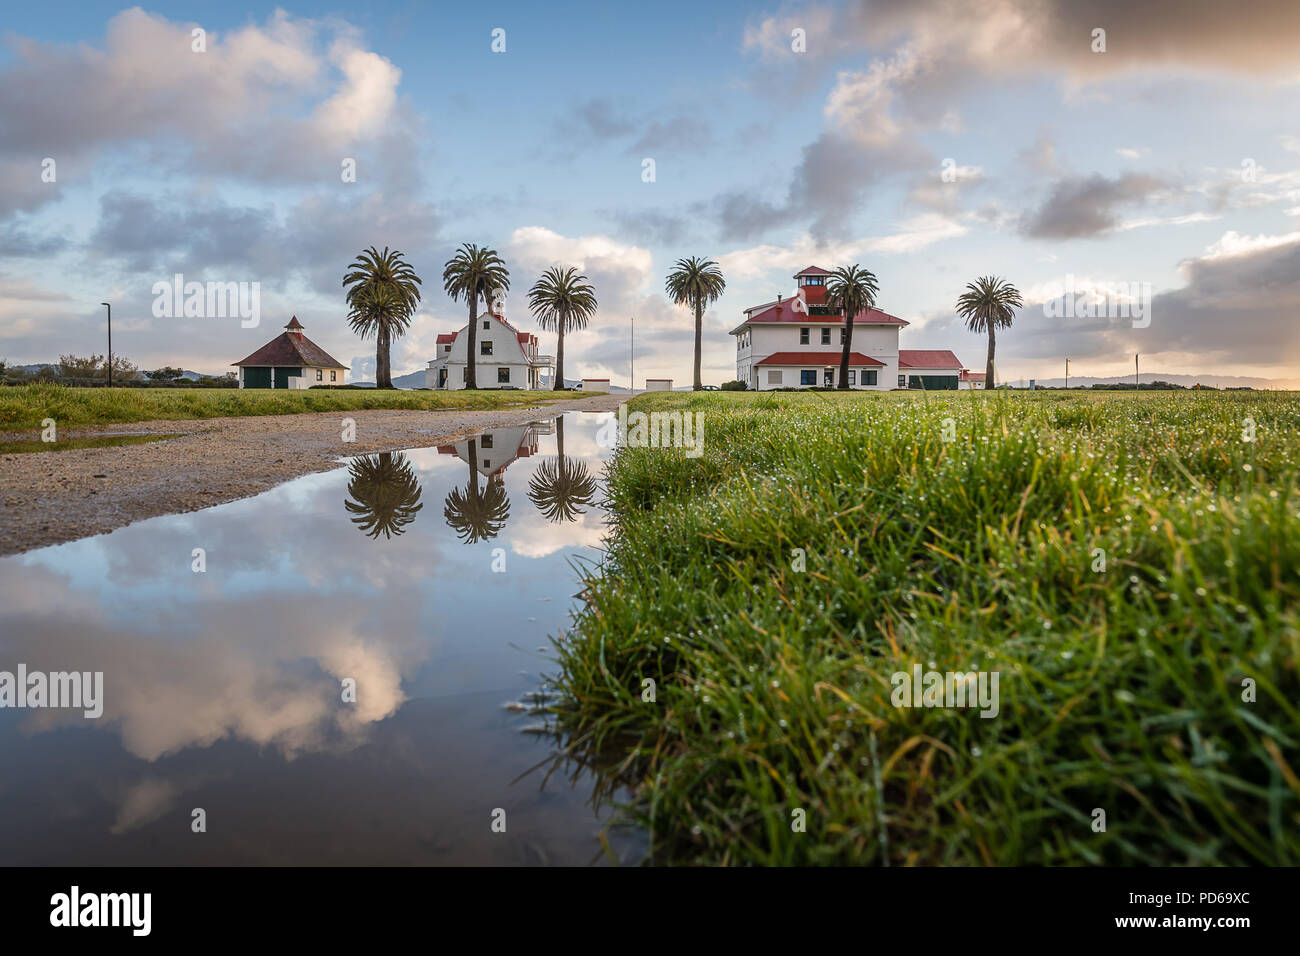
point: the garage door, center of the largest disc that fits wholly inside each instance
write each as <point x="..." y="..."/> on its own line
<point x="933" y="383"/>
<point x="257" y="377"/>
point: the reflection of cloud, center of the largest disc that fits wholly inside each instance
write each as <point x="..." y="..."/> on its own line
<point x="292" y="602"/>
<point x="144" y="802"/>
<point x="534" y="537"/>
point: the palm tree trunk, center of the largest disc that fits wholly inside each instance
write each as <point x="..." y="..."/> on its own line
<point x="473" y="469"/>
<point x="988" y="369"/>
<point x="471" y="344"/>
<point x="383" y="368"/>
<point x="699" y="334"/>
<point x="848" y="345"/>
<point x="559" y="358"/>
<point x="559" y="438"/>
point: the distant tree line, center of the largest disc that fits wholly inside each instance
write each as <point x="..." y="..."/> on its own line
<point x="92" y="370"/>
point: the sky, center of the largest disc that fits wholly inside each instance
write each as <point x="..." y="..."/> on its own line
<point x="1142" y="154"/>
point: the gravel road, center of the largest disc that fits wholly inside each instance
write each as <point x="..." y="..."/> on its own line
<point x="52" y="497"/>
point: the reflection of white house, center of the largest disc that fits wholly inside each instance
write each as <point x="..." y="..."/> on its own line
<point x="797" y="343"/>
<point x="498" y="449"/>
<point x="507" y="358"/>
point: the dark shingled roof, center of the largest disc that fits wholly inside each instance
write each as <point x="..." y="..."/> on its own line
<point x="292" y="348"/>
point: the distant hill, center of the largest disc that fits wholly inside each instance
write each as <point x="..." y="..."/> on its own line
<point x="1218" y="381"/>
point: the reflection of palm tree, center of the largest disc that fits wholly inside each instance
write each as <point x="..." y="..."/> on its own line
<point x="561" y="487"/>
<point x="475" y="514"/>
<point x="387" y="494"/>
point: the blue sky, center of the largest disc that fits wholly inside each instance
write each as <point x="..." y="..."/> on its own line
<point x="1172" y="158"/>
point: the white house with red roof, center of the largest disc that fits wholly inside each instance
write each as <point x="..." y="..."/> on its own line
<point x="507" y="358"/>
<point x="797" y="342"/>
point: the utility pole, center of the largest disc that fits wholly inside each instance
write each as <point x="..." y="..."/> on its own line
<point x="110" y="342"/>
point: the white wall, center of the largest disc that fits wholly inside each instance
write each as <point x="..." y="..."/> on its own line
<point x="507" y="352"/>
<point x="879" y="342"/>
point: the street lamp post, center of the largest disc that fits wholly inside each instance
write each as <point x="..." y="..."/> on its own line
<point x="110" y="342"/>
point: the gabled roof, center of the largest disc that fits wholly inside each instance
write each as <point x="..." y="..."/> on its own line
<point x="446" y="338"/>
<point x="784" y="311"/>
<point x="816" y="358"/>
<point x="812" y="271"/>
<point x="291" y="349"/>
<point x="928" y="358"/>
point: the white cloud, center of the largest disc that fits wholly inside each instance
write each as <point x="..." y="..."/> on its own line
<point x="1232" y="244"/>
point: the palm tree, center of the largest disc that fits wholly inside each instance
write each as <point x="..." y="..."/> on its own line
<point x="473" y="273"/>
<point x="560" y="487"/>
<point x="384" y="293"/>
<point x="853" y="290"/>
<point x="561" y="300"/>
<point x="387" y="494"/>
<point x="476" y="514"/>
<point x="986" y="305"/>
<point x="696" y="282"/>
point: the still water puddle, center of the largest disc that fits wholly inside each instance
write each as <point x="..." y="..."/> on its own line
<point x="430" y="577"/>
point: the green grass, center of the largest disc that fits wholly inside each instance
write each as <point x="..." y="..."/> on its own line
<point x="26" y="447"/>
<point x="26" y="406"/>
<point x="1119" y="689"/>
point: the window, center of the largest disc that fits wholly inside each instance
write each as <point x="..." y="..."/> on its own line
<point x="814" y="280"/>
<point x="773" y="376"/>
<point x="334" y="376"/>
<point x="487" y="463"/>
<point x="503" y="376"/>
<point x="446" y="348"/>
<point x="485" y="348"/>
<point x="844" y="334"/>
<point x="808" y="376"/>
<point x="485" y="441"/>
<point x="826" y="336"/>
<point x="853" y="377"/>
<point x="868" y="376"/>
<point x="828" y="377"/>
<point x="803" y="336"/>
<point x="902" y="381"/>
<point x="487" y="325"/>
<point x="320" y="375"/>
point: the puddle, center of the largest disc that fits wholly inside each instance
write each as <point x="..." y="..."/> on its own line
<point x="27" y="446"/>
<point x="430" y="578"/>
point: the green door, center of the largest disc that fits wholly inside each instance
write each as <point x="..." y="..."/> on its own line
<point x="257" y="377"/>
<point x="282" y="376"/>
<point x="933" y="383"/>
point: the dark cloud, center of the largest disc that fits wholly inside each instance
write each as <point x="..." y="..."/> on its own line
<point x="826" y="189"/>
<point x="1084" y="206"/>
<point x="681" y="133"/>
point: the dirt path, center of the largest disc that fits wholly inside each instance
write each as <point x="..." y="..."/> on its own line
<point x="52" y="497"/>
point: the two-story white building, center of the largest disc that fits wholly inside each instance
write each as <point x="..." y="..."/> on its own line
<point x="507" y="358"/>
<point x="797" y="342"/>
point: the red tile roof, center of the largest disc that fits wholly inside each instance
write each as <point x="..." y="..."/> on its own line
<point x="815" y="358"/>
<point x="446" y="338"/>
<point x="968" y="376"/>
<point x="294" y="324"/>
<point x="928" y="358"/>
<point x="812" y="271"/>
<point x="785" y="312"/>
<point x="292" y="349"/>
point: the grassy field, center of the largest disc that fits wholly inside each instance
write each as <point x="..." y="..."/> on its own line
<point x="24" y="407"/>
<point x="1128" y="564"/>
